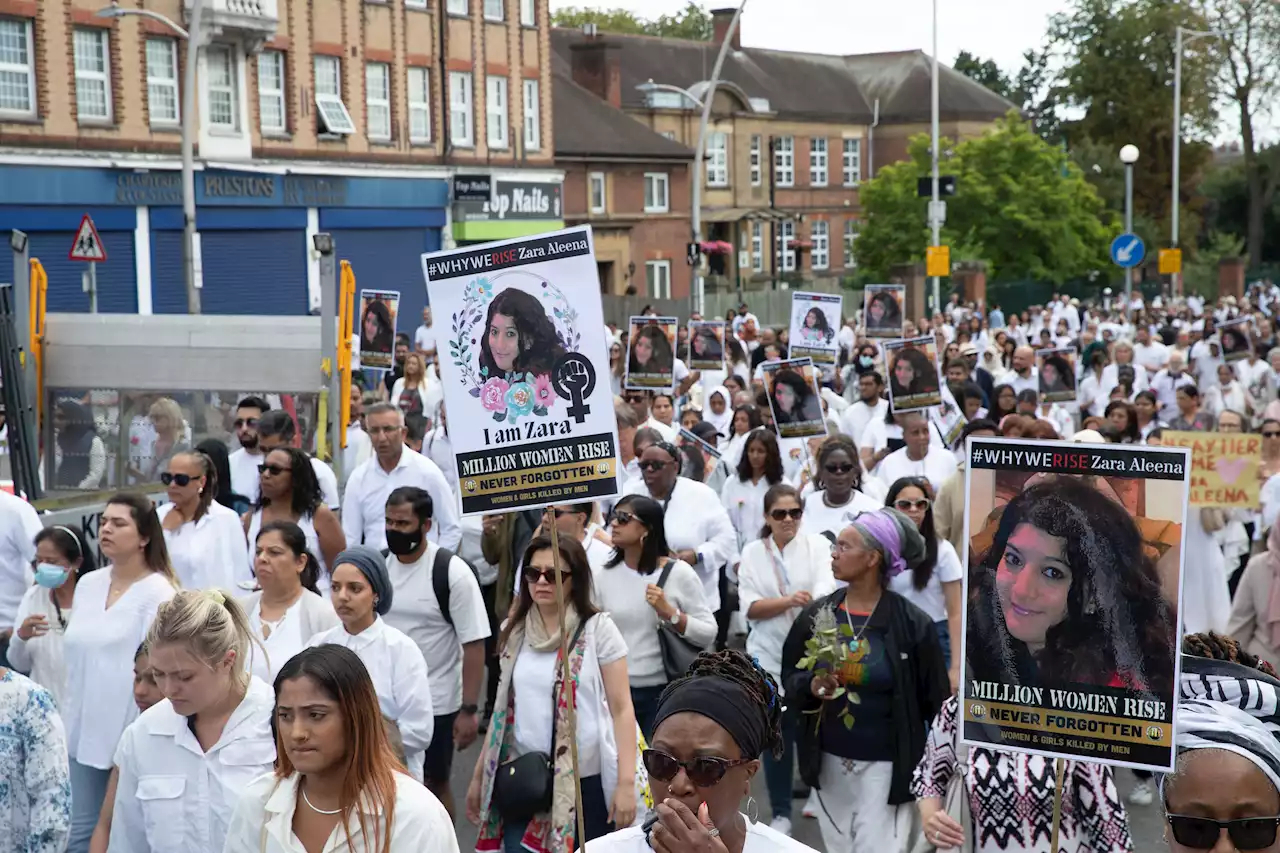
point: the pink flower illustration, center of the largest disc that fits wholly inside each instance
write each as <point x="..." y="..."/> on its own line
<point x="493" y="395"/>
<point x="543" y="394"/>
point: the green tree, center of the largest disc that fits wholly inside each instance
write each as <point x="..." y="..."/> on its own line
<point x="693" y="22"/>
<point x="1226" y="190"/>
<point x="984" y="71"/>
<point x="1032" y="89"/>
<point x="1021" y="206"/>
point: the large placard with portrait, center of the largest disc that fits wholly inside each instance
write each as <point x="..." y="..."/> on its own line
<point x="530" y="416"/>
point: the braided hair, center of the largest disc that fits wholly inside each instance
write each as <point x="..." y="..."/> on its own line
<point x="734" y="666"/>
<point x="1215" y="646"/>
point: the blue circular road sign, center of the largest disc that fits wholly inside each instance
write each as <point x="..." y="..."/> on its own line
<point x="1127" y="251"/>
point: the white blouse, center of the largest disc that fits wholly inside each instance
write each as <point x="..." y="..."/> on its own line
<point x="99" y="645"/>
<point x="744" y="501"/>
<point x="805" y="564"/>
<point x="208" y="553"/>
<point x="399" y="674"/>
<point x="42" y="657"/>
<point x="932" y="599"/>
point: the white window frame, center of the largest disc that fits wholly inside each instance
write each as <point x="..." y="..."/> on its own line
<point x="852" y="162"/>
<point x="820" y="235"/>
<point x="457" y="7"/>
<point x="272" y="98"/>
<point x="528" y="13"/>
<point x="158" y="85"/>
<point x="850" y="237"/>
<point x="419" y="103"/>
<point x="532" y="103"/>
<point x="596" y="180"/>
<point x="784" y="237"/>
<point x="28" y="68"/>
<point x="495" y="10"/>
<point x="657" y="277"/>
<point x="784" y="161"/>
<point x="652" y="202"/>
<point x="330" y="108"/>
<point x="756" y="161"/>
<point x="757" y="246"/>
<point x="461" y="109"/>
<point x="377" y="100"/>
<point x="231" y="88"/>
<point x="87" y="77"/>
<point x="415" y="4"/>
<point x="818" y="161"/>
<point x="717" y="159"/>
<point x="497" y="106"/>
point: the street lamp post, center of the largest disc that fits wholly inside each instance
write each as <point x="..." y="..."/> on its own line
<point x="1128" y="156"/>
<point x="1183" y="37"/>
<point x="190" y="237"/>
<point x="935" y="207"/>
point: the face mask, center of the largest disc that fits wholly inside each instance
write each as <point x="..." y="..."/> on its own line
<point x="866" y="360"/>
<point x="50" y="576"/>
<point x="403" y="543"/>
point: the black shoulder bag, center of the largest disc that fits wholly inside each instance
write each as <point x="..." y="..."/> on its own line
<point x="677" y="652"/>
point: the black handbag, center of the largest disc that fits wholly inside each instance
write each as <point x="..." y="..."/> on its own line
<point x="523" y="787"/>
<point x="677" y="652"/>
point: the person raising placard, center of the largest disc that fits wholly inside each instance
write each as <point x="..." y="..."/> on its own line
<point x="651" y="351"/>
<point x="912" y="374"/>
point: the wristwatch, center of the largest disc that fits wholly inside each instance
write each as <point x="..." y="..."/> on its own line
<point x="469" y="709"/>
<point x="674" y="621"/>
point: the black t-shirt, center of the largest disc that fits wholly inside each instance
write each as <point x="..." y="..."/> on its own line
<point x="389" y="378"/>
<point x="868" y="682"/>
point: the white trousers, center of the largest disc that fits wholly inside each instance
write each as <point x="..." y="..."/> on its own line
<point x="854" y="812"/>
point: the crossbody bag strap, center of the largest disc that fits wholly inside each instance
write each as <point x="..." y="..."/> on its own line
<point x="555" y="695"/>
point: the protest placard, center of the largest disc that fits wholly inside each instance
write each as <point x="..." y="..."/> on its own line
<point x="1224" y="467"/>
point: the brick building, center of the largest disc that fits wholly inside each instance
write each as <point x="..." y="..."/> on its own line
<point x="346" y="116"/>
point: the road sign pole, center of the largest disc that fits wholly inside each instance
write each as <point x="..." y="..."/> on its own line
<point x="933" y="208"/>
<point x="22" y="313"/>
<point x="1128" y="229"/>
<point x="91" y="287"/>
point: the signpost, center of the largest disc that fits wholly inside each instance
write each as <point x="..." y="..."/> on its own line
<point x="1128" y="251"/>
<point x="88" y="247"/>
<point x="1170" y="262"/>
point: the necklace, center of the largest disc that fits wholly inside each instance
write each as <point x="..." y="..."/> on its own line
<point x="856" y="641"/>
<point x="313" y="808"/>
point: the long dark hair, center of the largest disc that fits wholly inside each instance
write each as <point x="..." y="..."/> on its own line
<point x="995" y="412"/>
<point x="821" y="324"/>
<point x="573" y="559"/>
<point x="296" y="541"/>
<point x="772" y="457"/>
<point x="217" y="453"/>
<point x="540" y="346"/>
<point x="925" y="378"/>
<point x="754" y="420"/>
<point x="69" y="541"/>
<point x="155" y="553"/>
<point x="923" y="571"/>
<point x="662" y="360"/>
<point x="1118" y="622"/>
<point x="650" y="514"/>
<point x="386" y="329"/>
<point x="892" y="312"/>
<point x="1066" y="374"/>
<point x="1131" y="434"/>
<point x="801" y="410"/>
<point x="305" y="494"/>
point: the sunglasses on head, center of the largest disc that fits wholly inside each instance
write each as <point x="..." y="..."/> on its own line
<point x="652" y="465"/>
<point x="838" y="468"/>
<point x="704" y="771"/>
<point x="275" y="470"/>
<point x="795" y="514"/>
<point x="245" y="422"/>
<point x="533" y="575"/>
<point x="180" y="479"/>
<point x="1202" y="833"/>
<point x="904" y="505"/>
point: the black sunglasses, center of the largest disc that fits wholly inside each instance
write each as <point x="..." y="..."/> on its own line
<point x="275" y="470"/>
<point x="652" y="465"/>
<point x="1270" y="434"/>
<point x="838" y="468"/>
<point x="245" y="422"/>
<point x="1202" y="833"/>
<point x="704" y="771"/>
<point x="180" y="479"/>
<point x="795" y="513"/>
<point x="561" y="513"/>
<point x="533" y="575"/>
<point x="621" y="516"/>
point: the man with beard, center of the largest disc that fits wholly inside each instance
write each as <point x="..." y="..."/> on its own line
<point x="245" y="461"/>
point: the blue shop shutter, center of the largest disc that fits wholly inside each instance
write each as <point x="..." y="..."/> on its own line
<point x="117" y="277"/>
<point x="168" y="282"/>
<point x="390" y="259"/>
<point x="245" y="272"/>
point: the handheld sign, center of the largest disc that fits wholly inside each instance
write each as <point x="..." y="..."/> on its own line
<point x="913" y="374"/>
<point x="794" y="398"/>
<point x="379" y="311"/>
<point x="815" y="320"/>
<point x="1224" y="467"/>
<point x="884" y="310"/>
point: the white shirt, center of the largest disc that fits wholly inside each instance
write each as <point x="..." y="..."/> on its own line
<point x="42" y="656"/>
<point x="760" y="839"/>
<point x="820" y="518"/>
<point x="359" y="448"/>
<point x="437" y="447"/>
<point x="1031" y="382"/>
<point x="364" y="511"/>
<point x="744" y="501"/>
<point x="208" y="553"/>
<point x="937" y="465"/>
<point x="1153" y="355"/>
<point x="424" y="340"/>
<point x="99" y="645"/>
<point x="932" y="599"/>
<point x="1166" y="388"/>
<point x="244" y="473"/>
<point x="172" y="794"/>
<point x="19" y="525"/>
<point x="401" y="679"/>
<point x="805" y="564"/>
<point x="307" y="616"/>
<point x="416" y="612"/>
<point x="855" y="418"/>
<point x="263" y="821"/>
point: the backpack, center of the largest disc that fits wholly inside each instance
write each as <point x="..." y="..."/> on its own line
<point x="440" y="579"/>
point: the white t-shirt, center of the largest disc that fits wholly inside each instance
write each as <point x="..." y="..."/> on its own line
<point x="937" y="465"/>
<point x="424" y="339"/>
<point x="19" y="525"/>
<point x="534" y="679"/>
<point x="859" y="415"/>
<point x="820" y="518"/>
<point x="416" y="612"/>
<point x="760" y="839"/>
<point x="931" y="599"/>
<point x="244" y="473"/>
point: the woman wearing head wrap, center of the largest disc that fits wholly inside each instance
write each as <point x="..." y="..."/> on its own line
<point x="861" y="728"/>
<point x="361" y="593"/>
<point x="712" y="727"/>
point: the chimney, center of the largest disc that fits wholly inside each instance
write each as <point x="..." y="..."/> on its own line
<point x="720" y="20"/>
<point x="597" y="68"/>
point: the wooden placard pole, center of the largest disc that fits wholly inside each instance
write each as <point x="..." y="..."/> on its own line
<point x="1060" y="766"/>
<point x="549" y="522"/>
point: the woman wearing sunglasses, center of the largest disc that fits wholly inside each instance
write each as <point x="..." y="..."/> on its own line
<point x="781" y="572"/>
<point x="289" y="491"/>
<point x="531" y="712"/>
<point x="628" y="589"/>
<point x="712" y="726"/>
<point x="205" y="540"/>
<point x="838" y="496"/>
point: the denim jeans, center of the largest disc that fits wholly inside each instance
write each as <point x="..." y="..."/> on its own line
<point x="778" y="772"/>
<point x="645" y="702"/>
<point x="88" y="790"/>
<point x="944" y="638"/>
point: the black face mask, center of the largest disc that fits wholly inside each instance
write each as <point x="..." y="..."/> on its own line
<point x="399" y="543"/>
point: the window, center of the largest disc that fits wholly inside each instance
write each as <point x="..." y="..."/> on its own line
<point x="655" y="192"/>
<point x="419" y="105"/>
<point x="818" y="162"/>
<point x="271" y="111"/>
<point x="595" y="184"/>
<point x="334" y="117"/>
<point x="162" y="81"/>
<point x="529" y="13"/>
<point x="784" y="160"/>
<point x="756" y="171"/>
<point x="532" y="124"/>
<point x="820" y="234"/>
<point x="457" y="7"/>
<point x="669" y="134"/>
<point x="786" y="235"/>
<point x="17" y="69"/>
<point x="93" y="75"/>
<point x="495" y="106"/>
<point x="415" y="4"/>
<point x="850" y="238"/>
<point x="493" y="10"/>
<point x="717" y="159"/>
<point x="460" y="115"/>
<point x="377" y="99"/>
<point x="852" y="162"/>
<point x="657" y="275"/>
<point x="224" y="99"/>
<point x="757" y="246"/>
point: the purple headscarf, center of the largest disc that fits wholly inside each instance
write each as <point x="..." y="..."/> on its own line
<point x="895" y="536"/>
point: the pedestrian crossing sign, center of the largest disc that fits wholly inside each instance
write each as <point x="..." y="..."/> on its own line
<point x="87" y="245"/>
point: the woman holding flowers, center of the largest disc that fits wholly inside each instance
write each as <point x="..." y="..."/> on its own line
<point x="863" y="669"/>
